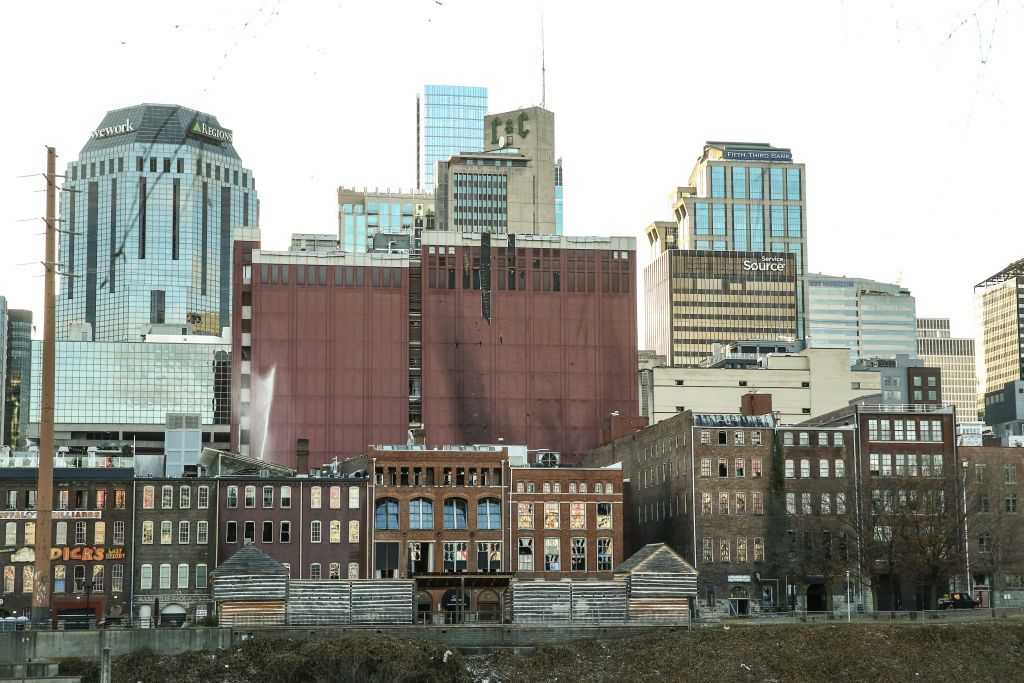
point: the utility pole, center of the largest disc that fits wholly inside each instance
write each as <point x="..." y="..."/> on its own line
<point x="44" y="487"/>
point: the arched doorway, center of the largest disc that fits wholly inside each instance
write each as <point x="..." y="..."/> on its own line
<point x="424" y="608"/>
<point x="488" y="606"/>
<point x="739" y="602"/>
<point x="454" y="609"/>
<point x="816" y="598"/>
<point x="172" y="615"/>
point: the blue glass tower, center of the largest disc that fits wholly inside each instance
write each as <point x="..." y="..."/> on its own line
<point x="148" y="211"/>
<point x="451" y="121"/>
<point x="559" y="220"/>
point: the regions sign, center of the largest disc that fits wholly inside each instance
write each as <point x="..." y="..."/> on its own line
<point x="86" y="553"/>
<point x="759" y="154"/>
<point x="116" y="129"/>
<point x="208" y="131"/>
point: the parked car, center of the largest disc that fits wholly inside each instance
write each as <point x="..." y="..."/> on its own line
<point x="958" y="601"/>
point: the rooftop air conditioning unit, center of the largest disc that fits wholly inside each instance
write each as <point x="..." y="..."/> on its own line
<point x="547" y="459"/>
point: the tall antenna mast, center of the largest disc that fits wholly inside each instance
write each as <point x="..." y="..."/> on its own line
<point x="543" y="84"/>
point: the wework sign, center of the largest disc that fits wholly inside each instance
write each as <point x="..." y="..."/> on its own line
<point x="116" y="129"/>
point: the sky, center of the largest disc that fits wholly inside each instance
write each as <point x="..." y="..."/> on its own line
<point x="905" y="113"/>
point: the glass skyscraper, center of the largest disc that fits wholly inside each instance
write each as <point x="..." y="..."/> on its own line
<point x="873" y="319"/>
<point x="451" y="121"/>
<point x="148" y="211"/>
<point x="16" y="342"/>
<point x="363" y="214"/>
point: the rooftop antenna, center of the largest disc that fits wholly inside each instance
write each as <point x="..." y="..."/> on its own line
<point x="543" y="84"/>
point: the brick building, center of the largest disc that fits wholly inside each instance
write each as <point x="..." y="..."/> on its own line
<point x="91" y="542"/>
<point x="175" y="532"/>
<point x="314" y="526"/>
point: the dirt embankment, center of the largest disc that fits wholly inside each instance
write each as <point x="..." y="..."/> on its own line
<point x="790" y="654"/>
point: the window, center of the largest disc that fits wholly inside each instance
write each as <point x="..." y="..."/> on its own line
<point x="981" y="503"/>
<point x="119" y="498"/>
<point x="741" y="503"/>
<point x="147" y="497"/>
<point x="335" y="500"/>
<point x="184" y="532"/>
<point x="524" y="513"/>
<point x="334" y="534"/>
<point x="789" y="469"/>
<point x="11" y="534"/>
<point x="758" y="549"/>
<point x="840" y="467"/>
<point x="267" y="535"/>
<point x="315" y="501"/>
<point x="231" y="533"/>
<point x="791" y="503"/>
<point x="705" y="467"/>
<point x="286" y="497"/>
<point x="1009" y="473"/>
<point x="552" y="555"/>
<point x="166" y="497"/>
<point x="738" y="438"/>
<point x="723" y="503"/>
<point x="551" y="516"/>
<point x="755" y="468"/>
<point x="335" y="571"/>
<point x="488" y="514"/>
<point x="268" y="497"/>
<point x="755" y="439"/>
<point x="202" y="532"/>
<point x="705" y="503"/>
<point x="525" y="561"/>
<point x="805" y="439"/>
<point x="840" y="503"/>
<point x="455" y="514"/>
<point x="826" y="504"/>
<point x="723" y="466"/>
<point x="232" y="496"/>
<point x="709" y="550"/>
<point x="757" y="502"/>
<point x="353" y="531"/>
<point x="421" y="512"/>
<point x="165" y="532"/>
<point x="182" y="576"/>
<point x="62" y="533"/>
<point x="184" y="497"/>
<point x="787" y="439"/>
<point x="723" y="549"/>
<point x="1010" y="503"/>
<point x="119" y="533"/>
<point x="386" y="514"/>
<point x="805" y="468"/>
<point x="314" y="571"/>
<point x="250" y="496"/>
<point x="146" y="577"/>
<point x="315" y="531"/>
<point x="201" y="576"/>
<point x="80" y="532"/>
<point x="455" y="557"/>
<point x="604" y="515"/>
<point x="874" y="468"/>
<point x="741" y="549"/>
<point x="604" y="555"/>
<point x="165" y="576"/>
<point x="985" y="542"/>
<point x="837" y="439"/>
<point x="805" y="503"/>
<point x="578" y="555"/>
<point x="101" y="499"/>
<point x="249" y="532"/>
<point x="979" y="472"/>
<point x="705" y="436"/>
<point x="203" y="498"/>
<point x="353" y="497"/>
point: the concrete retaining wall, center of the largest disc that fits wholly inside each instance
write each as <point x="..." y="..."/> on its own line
<point x="19" y="646"/>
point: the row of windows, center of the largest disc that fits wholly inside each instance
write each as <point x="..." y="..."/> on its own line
<point x="724" y="548"/>
<point x="904" y="430"/>
<point x="737" y="500"/>
<point x="199" y="578"/>
<point x="788" y="189"/>
<point x="93" y="169"/>
<point x="426" y="476"/>
<point x="825" y="506"/>
<point x="284" y="532"/>
<point x="900" y="464"/>
<point x="738" y="437"/>
<point x="284" y="495"/>
<point x="1010" y="503"/>
<point x="932" y="501"/>
<point x="81" y="533"/>
<point x="804" y="438"/>
<point x="739" y="467"/>
<point x="552" y="559"/>
<point x="421" y="513"/>
<point x="60" y="584"/>
<point x="556" y="487"/>
<point x="1009" y="472"/>
<point x="526" y="515"/>
<point x="839" y="468"/>
<point x="15" y="499"/>
<point x="167" y="497"/>
<point x="184" y="532"/>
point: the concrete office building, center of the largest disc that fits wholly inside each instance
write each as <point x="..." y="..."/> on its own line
<point x="872" y="319"/>
<point x="810" y="382"/>
<point x="118" y="393"/>
<point x="1000" y="306"/>
<point x="741" y="196"/>
<point x="1004" y="412"/>
<point x="149" y="208"/>
<point x="449" y="120"/>
<point x="382" y="216"/>
<point x="509" y="187"/>
<point x="696" y="299"/>
<point x="15" y="375"/>
<point x="954" y="356"/>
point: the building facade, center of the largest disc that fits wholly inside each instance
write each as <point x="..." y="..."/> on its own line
<point x="742" y="196"/>
<point x="1000" y="306"/>
<point x="17" y="384"/>
<point x="695" y="299"/>
<point x="175" y="537"/>
<point x="364" y="215"/>
<point x="1004" y="413"/>
<point x="449" y="120"/>
<point x="120" y="393"/>
<point x="955" y="358"/>
<point x="91" y="541"/>
<point x="872" y="319"/>
<point x="149" y="208"/>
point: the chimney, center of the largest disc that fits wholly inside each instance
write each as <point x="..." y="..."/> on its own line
<point x="755" y="404"/>
<point x="302" y="456"/>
